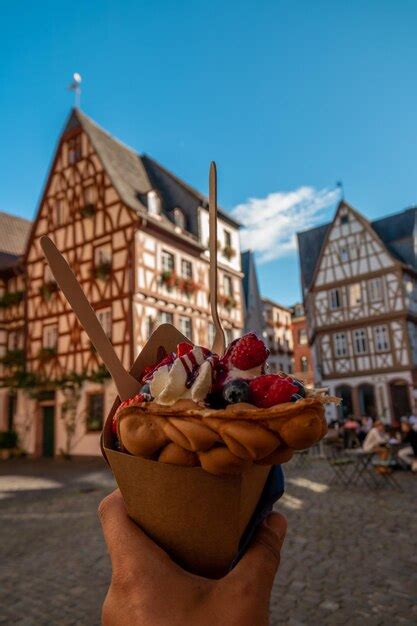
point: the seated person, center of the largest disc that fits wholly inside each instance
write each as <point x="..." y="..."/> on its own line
<point x="408" y="453"/>
<point x="376" y="438"/>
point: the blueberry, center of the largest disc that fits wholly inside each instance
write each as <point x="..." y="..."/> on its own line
<point x="145" y="389"/>
<point x="301" y="389"/>
<point x="236" y="391"/>
<point x="295" y="397"/>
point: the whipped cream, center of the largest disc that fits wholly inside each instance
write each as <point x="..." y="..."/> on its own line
<point x="235" y="373"/>
<point x="188" y="377"/>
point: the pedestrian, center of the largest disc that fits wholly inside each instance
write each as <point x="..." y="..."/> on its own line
<point x="376" y="439"/>
<point x="350" y="432"/>
<point x="407" y="455"/>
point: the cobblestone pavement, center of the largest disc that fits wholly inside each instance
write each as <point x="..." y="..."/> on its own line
<point x="350" y="557"/>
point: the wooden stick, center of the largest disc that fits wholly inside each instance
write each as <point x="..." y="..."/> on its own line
<point x="126" y="385"/>
<point x="219" y="343"/>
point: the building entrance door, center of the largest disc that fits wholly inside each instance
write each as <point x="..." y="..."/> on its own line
<point x="400" y="399"/>
<point x="48" y="431"/>
<point x="367" y="402"/>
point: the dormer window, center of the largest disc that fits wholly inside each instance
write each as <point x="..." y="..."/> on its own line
<point x="154" y="203"/>
<point x="179" y="218"/>
<point x="74" y="150"/>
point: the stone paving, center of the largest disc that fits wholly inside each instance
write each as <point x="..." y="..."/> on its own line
<point x="350" y="556"/>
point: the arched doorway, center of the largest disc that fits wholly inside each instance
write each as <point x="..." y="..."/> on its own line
<point x="400" y="399"/>
<point x="367" y="404"/>
<point x="346" y="407"/>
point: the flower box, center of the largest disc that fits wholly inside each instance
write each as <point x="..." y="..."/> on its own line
<point x="48" y="289"/>
<point x="10" y="299"/>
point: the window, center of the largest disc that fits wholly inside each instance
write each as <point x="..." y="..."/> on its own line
<point x="104" y="317"/>
<point x="381" y="338"/>
<point x="59" y="211"/>
<point x="344" y="254"/>
<point x="154" y="203"/>
<point x="210" y="334"/>
<point x="186" y="327"/>
<point x="74" y="150"/>
<point x="95" y="412"/>
<point x="102" y="255"/>
<point x="360" y="341"/>
<point x="355" y="294"/>
<point x="227" y="285"/>
<point x="344" y="219"/>
<point x="340" y="344"/>
<point x="179" y="218"/>
<point x="375" y="289"/>
<point x="48" y="277"/>
<point x="150" y="323"/>
<point x="15" y="340"/>
<point x="335" y="299"/>
<point x="227" y="239"/>
<point x="164" y="317"/>
<point x="302" y="336"/>
<point x="50" y="336"/>
<point x="90" y="196"/>
<point x="186" y="269"/>
<point x="167" y="261"/>
<point x="304" y="364"/>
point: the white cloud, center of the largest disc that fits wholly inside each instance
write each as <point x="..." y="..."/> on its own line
<point x="270" y="224"/>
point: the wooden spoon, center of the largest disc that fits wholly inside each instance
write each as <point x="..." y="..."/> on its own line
<point x="126" y="385"/>
<point x="219" y="343"/>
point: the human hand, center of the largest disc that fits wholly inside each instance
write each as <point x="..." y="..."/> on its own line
<point x="148" y="589"/>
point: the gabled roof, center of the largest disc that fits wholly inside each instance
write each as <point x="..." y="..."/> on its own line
<point x="398" y="232"/>
<point x="134" y="175"/>
<point x="14" y="232"/>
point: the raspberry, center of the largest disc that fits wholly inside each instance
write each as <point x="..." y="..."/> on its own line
<point x="183" y="348"/>
<point x="248" y="352"/>
<point x="148" y="371"/>
<point x="268" y="390"/>
<point x="137" y="399"/>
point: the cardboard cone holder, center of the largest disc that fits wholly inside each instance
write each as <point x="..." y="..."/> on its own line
<point x="202" y="520"/>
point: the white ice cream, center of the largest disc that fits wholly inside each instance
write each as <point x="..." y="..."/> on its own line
<point x="169" y="383"/>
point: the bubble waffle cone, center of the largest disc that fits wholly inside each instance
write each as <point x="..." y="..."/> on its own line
<point x="222" y="441"/>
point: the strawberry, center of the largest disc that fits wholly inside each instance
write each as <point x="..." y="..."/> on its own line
<point x="248" y="352"/>
<point x="183" y="348"/>
<point x="271" y="389"/>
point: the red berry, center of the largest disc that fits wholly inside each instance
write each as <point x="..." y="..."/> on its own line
<point x="249" y="352"/>
<point x="137" y="399"/>
<point x="183" y="348"/>
<point x="271" y="389"/>
<point x="148" y="371"/>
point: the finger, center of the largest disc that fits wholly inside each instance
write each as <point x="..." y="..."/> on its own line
<point x="127" y="544"/>
<point x="261" y="561"/>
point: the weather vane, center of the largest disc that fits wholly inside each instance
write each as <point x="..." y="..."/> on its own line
<point x="75" y="86"/>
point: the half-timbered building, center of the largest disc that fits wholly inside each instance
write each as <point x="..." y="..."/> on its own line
<point x="13" y="236"/>
<point x="278" y="336"/>
<point x="137" y="238"/>
<point x="359" y="282"/>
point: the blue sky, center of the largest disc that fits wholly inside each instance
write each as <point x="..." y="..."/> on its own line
<point x="287" y="97"/>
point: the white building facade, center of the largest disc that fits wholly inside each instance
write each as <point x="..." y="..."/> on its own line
<point x="360" y="293"/>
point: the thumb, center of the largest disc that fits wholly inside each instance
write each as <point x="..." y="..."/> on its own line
<point x="128" y="546"/>
<point x="261" y="561"/>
